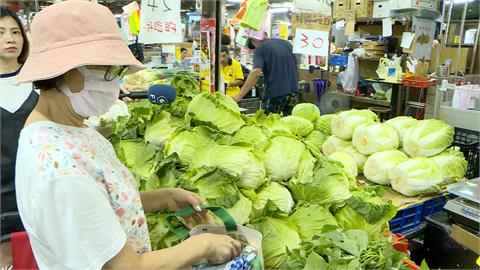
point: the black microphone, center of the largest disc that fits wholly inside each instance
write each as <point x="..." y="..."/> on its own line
<point x="156" y="94"/>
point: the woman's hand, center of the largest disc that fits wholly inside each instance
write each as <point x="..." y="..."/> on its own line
<point x="177" y="198"/>
<point x="218" y="248"/>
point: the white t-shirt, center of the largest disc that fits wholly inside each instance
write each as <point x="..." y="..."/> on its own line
<point x="78" y="203"/>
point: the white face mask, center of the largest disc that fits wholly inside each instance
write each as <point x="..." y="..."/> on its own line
<point x="97" y="95"/>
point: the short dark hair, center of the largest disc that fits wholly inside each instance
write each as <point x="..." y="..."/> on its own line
<point x="6" y="12"/>
<point x="183" y="50"/>
<point x="226" y="40"/>
<point x="224" y="49"/>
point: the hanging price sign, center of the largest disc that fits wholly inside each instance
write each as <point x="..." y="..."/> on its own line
<point x="160" y="22"/>
<point x="311" y="42"/>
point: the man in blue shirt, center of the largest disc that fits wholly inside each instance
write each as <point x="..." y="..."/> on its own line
<point x="273" y="57"/>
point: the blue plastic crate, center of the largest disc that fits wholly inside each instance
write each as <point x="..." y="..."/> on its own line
<point x="407" y="219"/>
<point x="410" y="219"/>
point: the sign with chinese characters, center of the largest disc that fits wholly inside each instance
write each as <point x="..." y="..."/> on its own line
<point x="424" y="30"/>
<point x="311" y="42"/>
<point x="160" y="22"/>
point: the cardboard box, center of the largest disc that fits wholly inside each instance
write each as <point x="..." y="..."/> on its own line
<point x="381" y="9"/>
<point x="373" y="45"/>
<point x="363" y="8"/>
<point x="339" y="8"/>
<point x="466" y="238"/>
<point x="413" y="4"/>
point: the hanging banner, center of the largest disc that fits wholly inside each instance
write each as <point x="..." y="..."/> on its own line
<point x="311" y="42"/>
<point x="160" y="22"/>
<point x="205" y="62"/>
<point x="424" y="31"/>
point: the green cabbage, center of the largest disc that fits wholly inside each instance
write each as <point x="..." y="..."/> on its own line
<point x="278" y="236"/>
<point x="452" y="163"/>
<point x="374" y="137"/>
<point x="365" y="210"/>
<point x="308" y="111"/>
<point x="334" y="144"/>
<point x="324" y="123"/>
<point x="273" y="199"/>
<point x="237" y="161"/>
<point x="416" y="176"/>
<point x="346" y="122"/>
<point x="241" y="210"/>
<point x="380" y="164"/>
<point x="187" y="143"/>
<point x="428" y="138"/>
<point x="162" y="126"/>
<point x="185" y="85"/>
<point x="305" y="169"/>
<point x="314" y="142"/>
<point x="215" y="110"/>
<point x="359" y="158"/>
<point x="401" y="125"/>
<point x="330" y="184"/>
<point x="310" y="219"/>
<point x="346" y="160"/>
<point x="252" y="135"/>
<point x="282" y="157"/>
<point x="271" y="122"/>
<point x="298" y="125"/>
<point x="212" y="185"/>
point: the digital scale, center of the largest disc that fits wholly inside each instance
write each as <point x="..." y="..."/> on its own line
<point x="465" y="209"/>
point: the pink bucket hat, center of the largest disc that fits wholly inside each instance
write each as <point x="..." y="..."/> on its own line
<point x="71" y="34"/>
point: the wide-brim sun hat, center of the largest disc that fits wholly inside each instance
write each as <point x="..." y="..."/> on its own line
<point x="71" y="34"/>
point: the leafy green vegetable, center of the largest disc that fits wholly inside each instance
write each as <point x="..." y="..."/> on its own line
<point x="187" y="143"/>
<point x="428" y="138"/>
<point x="329" y="185"/>
<point x="241" y="210"/>
<point x="237" y="161"/>
<point x="216" y="111"/>
<point x="401" y="124"/>
<point x="380" y="164"/>
<point x="334" y="144"/>
<point x="278" y="236"/>
<point x="346" y="160"/>
<point x="298" y="126"/>
<point x="213" y="185"/>
<point x="416" y="176"/>
<point x="271" y="122"/>
<point x="251" y="135"/>
<point x="310" y="219"/>
<point x="374" y="137"/>
<point x="305" y="169"/>
<point x="346" y="122"/>
<point x="452" y="163"/>
<point x="160" y="236"/>
<point x="282" y="157"/>
<point x="359" y="158"/>
<point x="178" y="108"/>
<point x="273" y="199"/>
<point x="324" y="123"/>
<point x="307" y="111"/>
<point x="185" y="85"/>
<point x="161" y="127"/>
<point x="314" y="142"/>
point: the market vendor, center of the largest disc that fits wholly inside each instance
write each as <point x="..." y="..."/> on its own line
<point x="275" y="59"/>
<point x="232" y="73"/>
<point x="16" y="103"/>
<point x="80" y="206"/>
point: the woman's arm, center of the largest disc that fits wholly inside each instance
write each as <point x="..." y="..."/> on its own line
<point x="211" y="247"/>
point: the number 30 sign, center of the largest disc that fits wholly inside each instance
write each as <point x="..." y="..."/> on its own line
<point x="311" y="42"/>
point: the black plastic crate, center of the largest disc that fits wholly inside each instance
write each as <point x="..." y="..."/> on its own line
<point x="469" y="143"/>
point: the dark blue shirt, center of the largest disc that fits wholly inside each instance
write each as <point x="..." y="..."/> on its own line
<point x="277" y="61"/>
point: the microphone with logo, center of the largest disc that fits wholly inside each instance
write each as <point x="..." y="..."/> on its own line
<point x="157" y="94"/>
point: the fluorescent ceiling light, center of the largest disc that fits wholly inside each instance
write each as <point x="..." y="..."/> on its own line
<point x="447" y="2"/>
<point x="278" y="10"/>
<point x="235" y="1"/>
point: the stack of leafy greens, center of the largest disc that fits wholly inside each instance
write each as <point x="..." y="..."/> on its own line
<point x="270" y="174"/>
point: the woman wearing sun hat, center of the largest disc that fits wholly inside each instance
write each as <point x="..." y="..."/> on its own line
<point x="78" y="203"/>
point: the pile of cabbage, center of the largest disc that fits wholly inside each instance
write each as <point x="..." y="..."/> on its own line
<point x="414" y="157"/>
<point x="268" y="171"/>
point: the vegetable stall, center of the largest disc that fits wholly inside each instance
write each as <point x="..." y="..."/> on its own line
<point x="318" y="187"/>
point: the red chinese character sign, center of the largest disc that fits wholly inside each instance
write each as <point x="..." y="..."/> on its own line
<point x="160" y="22"/>
<point x="311" y="42"/>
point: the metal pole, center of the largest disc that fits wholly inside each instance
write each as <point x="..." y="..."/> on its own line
<point x="36" y="6"/>
<point x="457" y="61"/>
<point x="444" y="42"/>
<point x="218" y="40"/>
<point x="475" y="49"/>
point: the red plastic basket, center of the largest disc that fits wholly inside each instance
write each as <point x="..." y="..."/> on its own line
<point x="419" y="82"/>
